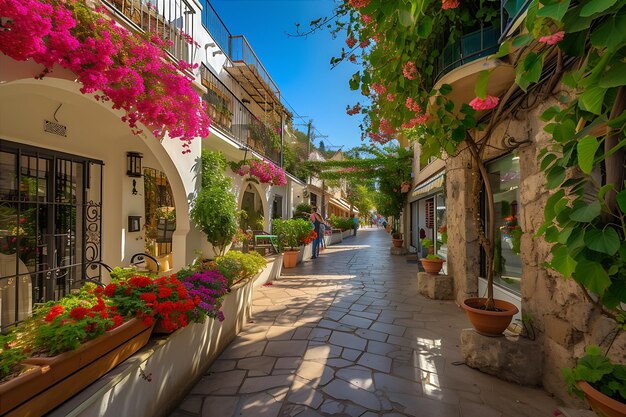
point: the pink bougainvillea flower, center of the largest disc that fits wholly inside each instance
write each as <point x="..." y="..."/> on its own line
<point x="417" y="120"/>
<point x="367" y="19"/>
<point x="364" y="44"/>
<point x="352" y="58"/>
<point x="351" y="42"/>
<point x="484" y="104"/>
<point x="390" y="97"/>
<point x="359" y="4"/>
<point x="412" y="105"/>
<point x="552" y="39"/>
<point x="449" y="4"/>
<point x="409" y="70"/>
<point x="379" y="89"/>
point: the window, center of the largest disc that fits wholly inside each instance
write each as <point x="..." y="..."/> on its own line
<point x="505" y="178"/>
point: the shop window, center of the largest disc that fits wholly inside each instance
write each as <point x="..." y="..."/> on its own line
<point x="505" y="179"/>
<point x="430" y="213"/>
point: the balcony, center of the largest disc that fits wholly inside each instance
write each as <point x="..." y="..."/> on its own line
<point x="470" y="47"/>
<point x="261" y="134"/>
<point x="171" y="20"/>
<point x="243" y="65"/>
<point x="510" y="12"/>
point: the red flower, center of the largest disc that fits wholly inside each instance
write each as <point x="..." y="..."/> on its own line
<point x="484" y="104"/>
<point x="117" y="321"/>
<point x="54" y="312"/>
<point x="79" y="313"/>
<point x="110" y="289"/>
<point x="165" y="292"/>
<point x="140" y="281"/>
<point x="553" y="39"/>
<point x="148" y="321"/>
<point x="351" y="42"/>
<point x="148" y="297"/>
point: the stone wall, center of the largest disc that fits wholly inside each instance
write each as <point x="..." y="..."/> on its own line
<point x="563" y="320"/>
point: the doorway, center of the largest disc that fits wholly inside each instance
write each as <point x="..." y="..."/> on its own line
<point x="50" y="225"/>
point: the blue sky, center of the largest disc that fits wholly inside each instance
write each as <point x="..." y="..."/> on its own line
<point x="299" y="66"/>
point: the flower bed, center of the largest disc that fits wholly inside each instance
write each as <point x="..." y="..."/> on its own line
<point x="73" y="338"/>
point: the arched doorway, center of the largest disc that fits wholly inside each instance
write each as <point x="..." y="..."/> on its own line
<point x="252" y="217"/>
<point x="160" y="215"/>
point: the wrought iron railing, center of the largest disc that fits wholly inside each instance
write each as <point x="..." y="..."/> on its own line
<point x="468" y="48"/>
<point x="232" y="116"/>
<point x="216" y="27"/>
<point x="171" y="20"/>
<point x="241" y="52"/>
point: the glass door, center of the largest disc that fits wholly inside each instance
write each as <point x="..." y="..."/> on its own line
<point x="50" y="222"/>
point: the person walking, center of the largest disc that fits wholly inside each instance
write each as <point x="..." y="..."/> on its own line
<point x="356" y="223"/>
<point x="317" y="220"/>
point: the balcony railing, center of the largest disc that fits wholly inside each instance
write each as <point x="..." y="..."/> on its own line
<point x="216" y="27"/>
<point x="510" y="11"/>
<point x="232" y="116"/>
<point x="171" y="20"/>
<point x="470" y="47"/>
<point x="241" y="52"/>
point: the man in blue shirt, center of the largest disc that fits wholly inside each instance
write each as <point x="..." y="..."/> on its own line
<point x="356" y="223"/>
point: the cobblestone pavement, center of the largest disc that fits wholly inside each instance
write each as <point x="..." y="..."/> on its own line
<point x="349" y="335"/>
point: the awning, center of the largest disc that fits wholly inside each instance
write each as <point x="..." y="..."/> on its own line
<point x="430" y="184"/>
<point x="343" y="204"/>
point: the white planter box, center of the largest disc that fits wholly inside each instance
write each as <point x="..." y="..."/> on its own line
<point x="173" y="364"/>
<point x="334" y="238"/>
<point x="346" y="233"/>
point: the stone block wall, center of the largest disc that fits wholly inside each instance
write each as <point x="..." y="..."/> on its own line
<point x="565" y="323"/>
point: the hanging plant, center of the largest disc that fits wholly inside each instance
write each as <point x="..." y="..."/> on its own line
<point x="265" y="171"/>
<point x="131" y="70"/>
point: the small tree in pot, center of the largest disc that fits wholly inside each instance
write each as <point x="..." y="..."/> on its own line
<point x="291" y="235"/>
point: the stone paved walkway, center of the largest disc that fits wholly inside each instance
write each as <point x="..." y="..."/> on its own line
<point x="349" y="335"/>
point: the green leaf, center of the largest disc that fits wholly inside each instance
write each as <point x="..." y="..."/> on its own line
<point x="545" y="163"/>
<point x="592" y="276"/>
<point x="522" y="40"/>
<point x="529" y="71"/>
<point x="610" y="34"/>
<point x="615" y="76"/>
<point x="591" y="100"/>
<point x="573" y="22"/>
<point x="562" y="261"/>
<point x="550" y="113"/>
<point x="425" y="27"/>
<point x="480" y="89"/>
<point x="604" y="189"/>
<point x="586" y="149"/>
<point x="585" y="213"/>
<point x="621" y="200"/>
<point x="445" y="89"/>
<point x="406" y="18"/>
<point x="596" y="6"/>
<point x="555" y="177"/>
<point x="355" y="81"/>
<point x="555" y="10"/>
<point x="504" y="50"/>
<point x="603" y="241"/>
<point x="548" y="210"/>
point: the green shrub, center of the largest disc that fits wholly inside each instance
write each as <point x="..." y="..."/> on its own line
<point x="343" y="223"/>
<point x="291" y="233"/>
<point x="303" y="211"/>
<point x="237" y="266"/>
<point x="214" y="209"/>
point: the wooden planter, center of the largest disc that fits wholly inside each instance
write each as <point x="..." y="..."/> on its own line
<point x="489" y="323"/>
<point x="432" y="266"/>
<point x="600" y="403"/>
<point x="64" y="375"/>
<point x="290" y="259"/>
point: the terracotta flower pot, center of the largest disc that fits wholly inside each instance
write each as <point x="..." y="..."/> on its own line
<point x="64" y="375"/>
<point x="16" y="390"/>
<point x="432" y="266"/>
<point x="397" y="243"/>
<point x="600" y="403"/>
<point x="489" y="323"/>
<point x="290" y="259"/>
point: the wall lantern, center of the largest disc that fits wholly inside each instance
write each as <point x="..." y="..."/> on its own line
<point x="133" y="164"/>
<point x="134" y="223"/>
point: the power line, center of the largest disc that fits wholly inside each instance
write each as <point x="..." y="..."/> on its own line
<point x="305" y="122"/>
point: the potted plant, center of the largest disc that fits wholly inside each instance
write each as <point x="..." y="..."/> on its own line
<point x="214" y="208"/>
<point x="291" y="235"/>
<point x="600" y="381"/>
<point x="396" y="239"/>
<point x="432" y="264"/>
